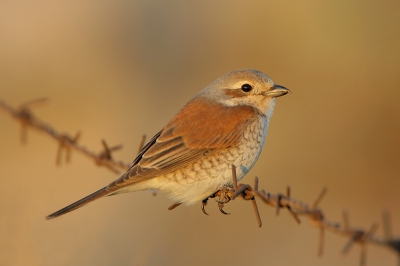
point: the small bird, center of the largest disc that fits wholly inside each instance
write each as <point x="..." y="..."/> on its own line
<point x="192" y="156"/>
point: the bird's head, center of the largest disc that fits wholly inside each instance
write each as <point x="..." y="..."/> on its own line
<point x="245" y="87"/>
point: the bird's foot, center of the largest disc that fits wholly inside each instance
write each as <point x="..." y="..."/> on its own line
<point x="222" y="196"/>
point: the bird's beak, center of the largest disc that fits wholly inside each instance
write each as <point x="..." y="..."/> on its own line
<point x="277" y="91"/>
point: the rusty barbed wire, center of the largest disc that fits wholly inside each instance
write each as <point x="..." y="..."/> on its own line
<point x="24" y="115"/>
<point x="315" y="215"/>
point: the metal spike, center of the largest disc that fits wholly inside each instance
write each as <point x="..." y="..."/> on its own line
<point x="318" y="200"/>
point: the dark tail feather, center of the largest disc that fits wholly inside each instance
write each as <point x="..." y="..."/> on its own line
<point x="80" y="203"/>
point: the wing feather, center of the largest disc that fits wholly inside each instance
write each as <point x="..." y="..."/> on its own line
<point x="187" y="138"/>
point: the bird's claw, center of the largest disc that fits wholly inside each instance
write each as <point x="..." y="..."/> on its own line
<point x="220" y="206"/>
<point x="203" y="204"/>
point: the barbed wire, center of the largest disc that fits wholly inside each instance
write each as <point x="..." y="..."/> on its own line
<point x="23" y="114"/>
<point x="315" y="215"/>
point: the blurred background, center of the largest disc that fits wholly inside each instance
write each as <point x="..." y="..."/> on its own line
<point x="120" y="69"/>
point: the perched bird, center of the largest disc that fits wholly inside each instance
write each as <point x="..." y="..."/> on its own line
<point x="192" y="156"/>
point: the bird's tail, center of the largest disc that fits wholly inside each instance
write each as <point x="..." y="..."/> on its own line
<point x="80" y="203"/>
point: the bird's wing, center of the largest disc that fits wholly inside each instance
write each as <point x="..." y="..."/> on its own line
<point x="188" y="137"/>
<point x="198" y="130"/>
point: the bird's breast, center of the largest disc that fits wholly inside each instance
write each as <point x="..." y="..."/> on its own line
<point x="251" y="145"/>
<point x="199" y="180"/>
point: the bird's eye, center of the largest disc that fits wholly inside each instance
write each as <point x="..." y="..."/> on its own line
<point x="246" y="87"/>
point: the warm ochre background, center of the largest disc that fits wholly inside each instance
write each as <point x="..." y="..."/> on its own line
<point x="118" y="69"/>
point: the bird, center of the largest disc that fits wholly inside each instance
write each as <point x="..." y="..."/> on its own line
<point x="192" y="157"/>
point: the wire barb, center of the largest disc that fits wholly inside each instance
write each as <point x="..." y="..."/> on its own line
<point x="294" y="215"/>
<point x="319" y="199"/>
<point x="65" y="144"/>
<point x="278" y="204"/>
<point x="141" y="144"/>
<point x="321" y="241"/>
<point x="387" y="227"/>
<point x="345" y="220"/>
<point x="234" y="178"/>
